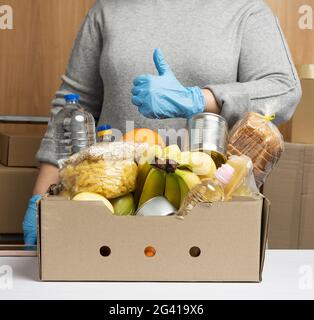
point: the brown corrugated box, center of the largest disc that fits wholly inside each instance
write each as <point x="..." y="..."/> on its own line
<point x="231" y="236"/>
<point x="16" y="185"/>
<point x="302" y="122"/>
<point x="306" y="238"/>
<point x="290" y="189"/>
<point x="302" y="128"/>
<point x="19" y="150"/>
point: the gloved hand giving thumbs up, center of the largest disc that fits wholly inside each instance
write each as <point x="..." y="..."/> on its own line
<point x="163" y="96"/>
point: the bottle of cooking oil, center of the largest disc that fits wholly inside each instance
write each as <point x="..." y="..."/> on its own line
<point x="209" y="190"/>
<point x="232" y="178"/>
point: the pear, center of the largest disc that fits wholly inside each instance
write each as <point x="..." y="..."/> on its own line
<point x="124" y="205"/>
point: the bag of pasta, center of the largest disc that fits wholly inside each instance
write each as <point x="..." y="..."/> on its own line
<point x="258" y="138"/>
<point x="108" y="169"/>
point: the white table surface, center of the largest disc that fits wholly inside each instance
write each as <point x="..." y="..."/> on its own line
<point x="287" y="275"/>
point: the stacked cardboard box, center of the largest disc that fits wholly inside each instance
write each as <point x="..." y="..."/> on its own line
<point x="17" y="150"/>
<point x="302" y="130"/>
<point x="306" y="236"/>
<point x="18" y="172"/>
<point x="290" y="189"/>
<point x="16" y="186"/>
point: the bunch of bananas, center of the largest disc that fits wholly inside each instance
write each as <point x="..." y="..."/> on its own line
<point x="171" y="173"/>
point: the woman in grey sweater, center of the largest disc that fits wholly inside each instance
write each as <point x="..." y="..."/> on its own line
<point x="226" y="57"/>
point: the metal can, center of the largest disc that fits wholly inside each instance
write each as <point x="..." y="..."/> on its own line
<point x="208" y="132"/>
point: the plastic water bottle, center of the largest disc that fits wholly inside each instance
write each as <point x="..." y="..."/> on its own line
<point x="74" y="128"/>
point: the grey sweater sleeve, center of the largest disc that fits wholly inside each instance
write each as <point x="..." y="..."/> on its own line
<point x="267" y="80"/>
<point x="82" y="76"/>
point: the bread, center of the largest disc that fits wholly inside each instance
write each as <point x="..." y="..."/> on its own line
<point x="259" y="139"/>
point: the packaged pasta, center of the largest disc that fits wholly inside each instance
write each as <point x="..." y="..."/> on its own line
<point x="258" y="138"/>
<point x="108" y="169"/>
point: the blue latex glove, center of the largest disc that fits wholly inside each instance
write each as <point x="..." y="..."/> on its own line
<point x="163" y="96"/>
<point x="30" y="221"/>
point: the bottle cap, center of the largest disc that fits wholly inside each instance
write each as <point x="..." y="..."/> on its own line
<point x="72" y="97"/>
<point x="224" y="173"/>
<point x="104" y="127"/>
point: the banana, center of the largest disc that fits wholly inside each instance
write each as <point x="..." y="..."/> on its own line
<point x="172" y="152"/>
<point x="199" y="162"/>
<point x="184" y="190"/>
<point x="172" y="190"/>
<point x="143" y="170"/>
<point x="190" y="178"/>
<point x="187" y="180"/>
<point x="154" y="186"/>
<point x="150" y="153"/>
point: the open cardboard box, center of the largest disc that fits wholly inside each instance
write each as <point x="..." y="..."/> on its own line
<point x="83" y="241"/>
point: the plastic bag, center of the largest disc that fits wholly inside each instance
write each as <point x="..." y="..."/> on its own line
<point x="108" y="169"/>
<point x="247" y="187"/>
<point x="258" y="138"/>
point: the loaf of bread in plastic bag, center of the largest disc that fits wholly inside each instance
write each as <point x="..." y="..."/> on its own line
<point x="258" y="138"/>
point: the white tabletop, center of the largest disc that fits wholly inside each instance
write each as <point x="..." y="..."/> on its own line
<point x="287" y="275"/>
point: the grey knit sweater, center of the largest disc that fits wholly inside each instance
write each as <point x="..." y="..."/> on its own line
<point x="234" y="48"/>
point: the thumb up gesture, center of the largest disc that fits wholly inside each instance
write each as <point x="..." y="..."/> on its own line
<point x="162" y="96"/>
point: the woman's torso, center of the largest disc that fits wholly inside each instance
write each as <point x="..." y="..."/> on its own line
<point x="201" y="40"/>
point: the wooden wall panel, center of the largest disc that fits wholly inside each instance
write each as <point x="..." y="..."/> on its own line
<point x="33" y="56"/>
<point x="301" y="42"/>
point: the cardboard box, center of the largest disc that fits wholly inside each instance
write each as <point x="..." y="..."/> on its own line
<point x="231" y="237"/>
<point x="17" y="150"/>
<point x="302" y="123"/>
<point x="290" y="189"/>
<point x="302" y="128"/>
<point x="306" y="238"/>
<point x="16" y="185"/>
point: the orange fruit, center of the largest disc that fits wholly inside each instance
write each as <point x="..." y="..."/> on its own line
<point x="144" y="135"/>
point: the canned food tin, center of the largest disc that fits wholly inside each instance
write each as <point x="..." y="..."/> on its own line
<point x="208" y="132"/>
